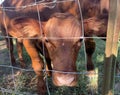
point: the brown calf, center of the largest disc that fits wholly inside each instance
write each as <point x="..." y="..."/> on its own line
<point x="60" y="36"/>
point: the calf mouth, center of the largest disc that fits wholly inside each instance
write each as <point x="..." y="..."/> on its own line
<point x="69" y="80"/>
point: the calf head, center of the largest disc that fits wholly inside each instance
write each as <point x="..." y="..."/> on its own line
<point x="62" y="39"/>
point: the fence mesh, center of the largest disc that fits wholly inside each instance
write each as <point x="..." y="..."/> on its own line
<point x="15" y="80"/>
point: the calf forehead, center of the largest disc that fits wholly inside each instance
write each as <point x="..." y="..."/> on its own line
<point x="64" y="28"/>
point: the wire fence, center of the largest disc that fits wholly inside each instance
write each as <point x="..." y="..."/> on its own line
<point x="15" y="80"/>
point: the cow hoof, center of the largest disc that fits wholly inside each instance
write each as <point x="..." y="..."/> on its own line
<point x="41" y="86"/>
<point x="42" y="91"/>
<point x="90" y="67"/>
<point x="13" y="64"/>
<point x="22" y="63"/>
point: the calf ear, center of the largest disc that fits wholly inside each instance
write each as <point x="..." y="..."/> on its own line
<point x="24" y="28"/>
<point x="93" y="24"/>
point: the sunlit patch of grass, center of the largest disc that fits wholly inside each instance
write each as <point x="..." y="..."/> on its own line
<point x="100" y="58"/>
<point x="93" y="82"/>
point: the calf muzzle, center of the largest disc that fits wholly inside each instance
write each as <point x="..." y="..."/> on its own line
<point x="65" y="79"/>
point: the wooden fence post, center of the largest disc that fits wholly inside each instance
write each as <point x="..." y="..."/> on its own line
<point x="111" y="47"/>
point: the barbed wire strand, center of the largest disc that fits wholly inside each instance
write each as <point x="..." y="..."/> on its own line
<point x="56" y="38"/>
<point x="34" y="4"/>
<point x="31" y="70"/>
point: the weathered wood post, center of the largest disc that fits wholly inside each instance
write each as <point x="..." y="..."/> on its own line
<point x="111" y="47"/>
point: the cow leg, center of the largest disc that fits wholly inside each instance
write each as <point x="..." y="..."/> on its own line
<point x="37" y="64"/>
<point x="41" y="86"/>
<point x="49" y="67"/>
<point x="11" y="48"/>
<point x="20" y="52"/>
<point x="90" y="48"/>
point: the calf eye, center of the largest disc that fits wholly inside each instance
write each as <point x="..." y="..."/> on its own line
<point x="49" y="43"/>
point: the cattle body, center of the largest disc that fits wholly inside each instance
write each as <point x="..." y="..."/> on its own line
<point x="41" y="10"/>
<point x="92" y="10"/>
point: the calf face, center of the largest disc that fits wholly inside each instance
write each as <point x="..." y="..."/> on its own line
<point x="62" y="40"/>
<point x="63" y="54"/>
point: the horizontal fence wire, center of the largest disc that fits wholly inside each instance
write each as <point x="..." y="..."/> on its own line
<point x="45" y="4"/>
<point x="55" y="38"/>
<point x="78" y="73"/>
